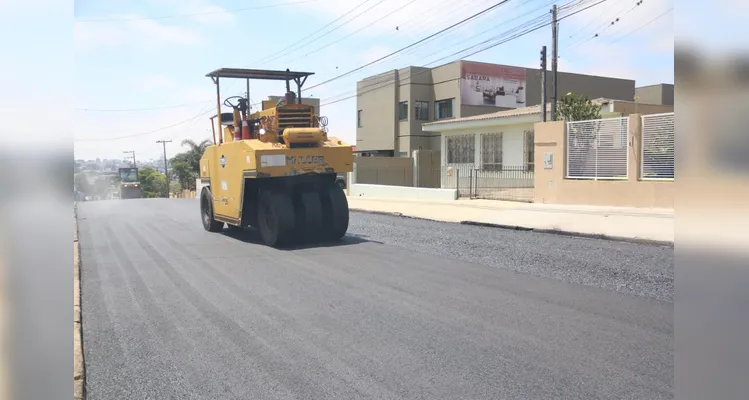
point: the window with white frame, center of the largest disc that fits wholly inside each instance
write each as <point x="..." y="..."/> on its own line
<point x="491" y="151"/>
<point x="443" y="109"/>
<point x="461" y="149"/>
<point x="422" y="110"/>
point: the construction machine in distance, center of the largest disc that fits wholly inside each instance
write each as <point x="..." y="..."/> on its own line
<point x="130" y="184"/>
<point x="274" y="169"/>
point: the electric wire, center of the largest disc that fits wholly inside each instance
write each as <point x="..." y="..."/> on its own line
<point x="137" y="109"/>
<point x="411" y="45"/>
<point x="355" y="32"/>
<point x="605" y="26"/>
<point x="482" y="49"/>
<point x="304" y="41"/>
<point x="644" y="25"/>
<point x="291" y="3"/>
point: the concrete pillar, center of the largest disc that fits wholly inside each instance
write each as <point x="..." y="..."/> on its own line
<point x="634" y="145"/>
<point x="415" y="159"/>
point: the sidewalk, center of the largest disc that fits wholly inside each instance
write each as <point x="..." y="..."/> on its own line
<point x="648" y="225"/>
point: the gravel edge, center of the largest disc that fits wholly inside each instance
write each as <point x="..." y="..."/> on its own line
<point x="79" y="369"/>
<point x="524" y="228"/>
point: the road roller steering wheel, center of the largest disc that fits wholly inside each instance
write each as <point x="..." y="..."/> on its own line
<point x="229" y="103"/>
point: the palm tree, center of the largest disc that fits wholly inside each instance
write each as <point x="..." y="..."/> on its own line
<point x="195" y="151"/>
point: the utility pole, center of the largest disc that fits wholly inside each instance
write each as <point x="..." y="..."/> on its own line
<point x="133" y="153"/>
<point x="543" y="84"/>
<point x="554" y="57"/>
<point x="166" y="170"/>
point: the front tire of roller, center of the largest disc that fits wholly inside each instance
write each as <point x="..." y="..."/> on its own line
<point x="335" y="212"/>
<point x="275" y="218"/>
<point x="206" y="212"/>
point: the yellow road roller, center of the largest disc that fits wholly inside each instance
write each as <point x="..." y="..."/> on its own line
<point x="273" y="169"/>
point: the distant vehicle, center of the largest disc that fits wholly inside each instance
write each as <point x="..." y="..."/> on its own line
<point x="129" y="184"/>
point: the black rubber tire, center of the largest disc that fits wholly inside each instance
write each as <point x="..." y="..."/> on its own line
<point x="275" y="218"/>
<point x="335" y="212"/>
<point x="309" y="217"/>
<point x="234" y="228"/>
<point x="206" y="212"/>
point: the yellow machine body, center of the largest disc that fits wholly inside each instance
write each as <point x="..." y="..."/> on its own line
<point x="275" y="169"/>
<point x="225" y="167"/>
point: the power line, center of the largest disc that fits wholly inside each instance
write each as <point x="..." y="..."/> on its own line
<point x="204" y="112"/>
<point x="138" y="109"/>
<point x="477" y="35"/>
<point x="440" y="20"/>
<point x="523" y="33"/>
<point x="293" y="46"/>
<point x="412" y="44"/>
<point x="196" y="14"/>
<point x="591" y="22"/>
<point x="357" y="31"/>
<point x="307" y="37"/>
<point x="602" y="28"/>
<point x="517" y="28"/>
<point x="644" y="25"/>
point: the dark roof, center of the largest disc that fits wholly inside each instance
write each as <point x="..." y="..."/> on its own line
<point x="257" y="74"/>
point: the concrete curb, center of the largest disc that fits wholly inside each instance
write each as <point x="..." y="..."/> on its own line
<point x="395" y="214"/>
<point x="528" y="229"/>
<point x="574" y="234"/>
<point x="79" y="367"/>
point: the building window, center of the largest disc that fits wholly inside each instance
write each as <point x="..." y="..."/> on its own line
<point x="460" y="149"/>
<point x="443" y="109"/>
<point x="491" y="152"/>
<point x="403" y="111"/>
<point x="528" y="144"/>
<point x="358" y="119"/>
<point x="422" y="111"/>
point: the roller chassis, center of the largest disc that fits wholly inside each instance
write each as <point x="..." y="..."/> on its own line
<point x="288" y="211"/>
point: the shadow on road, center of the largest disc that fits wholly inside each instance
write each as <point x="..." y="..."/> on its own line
<point x="252" y="235"/>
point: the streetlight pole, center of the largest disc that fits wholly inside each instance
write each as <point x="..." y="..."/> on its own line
<point x="166" y="170"/>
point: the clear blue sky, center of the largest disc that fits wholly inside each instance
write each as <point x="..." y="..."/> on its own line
<point x="128" y="57"/>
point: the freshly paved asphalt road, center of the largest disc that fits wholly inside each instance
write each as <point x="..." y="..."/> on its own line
<point x="173" y="312"/>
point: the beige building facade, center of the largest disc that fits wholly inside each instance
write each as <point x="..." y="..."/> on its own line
<point x="393" y="106"/>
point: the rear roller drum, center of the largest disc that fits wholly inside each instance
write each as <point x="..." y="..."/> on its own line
<point x="335" y="211"/>
<point x="309" y="217"/>
<point x="275" y="218"/>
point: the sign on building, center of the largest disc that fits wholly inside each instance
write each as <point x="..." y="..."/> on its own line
<point x="492" y="85"/>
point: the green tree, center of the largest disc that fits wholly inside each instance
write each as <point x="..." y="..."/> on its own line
<point x="184" y="173"/>
<point x="576" y="107"/>
<point x="152" y="182"/>
<point x="195" y="152"/>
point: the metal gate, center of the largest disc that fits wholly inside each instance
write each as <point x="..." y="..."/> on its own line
<point x="509" y="183"/>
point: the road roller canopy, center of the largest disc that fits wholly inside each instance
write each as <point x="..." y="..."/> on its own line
<point x="265" y="74"/>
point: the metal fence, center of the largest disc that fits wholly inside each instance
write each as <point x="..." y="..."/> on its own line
<point x="657" y="152"/>
<point x="597" y="149"/>
<point x="512" y="183"/>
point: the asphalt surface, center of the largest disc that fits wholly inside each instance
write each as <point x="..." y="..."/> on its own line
<point x="171" y="311"/>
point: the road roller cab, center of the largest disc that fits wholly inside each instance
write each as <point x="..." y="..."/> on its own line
<point x="274" y="169"/>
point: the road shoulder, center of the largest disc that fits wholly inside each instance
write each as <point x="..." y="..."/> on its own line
<point x="610" y="223"/>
